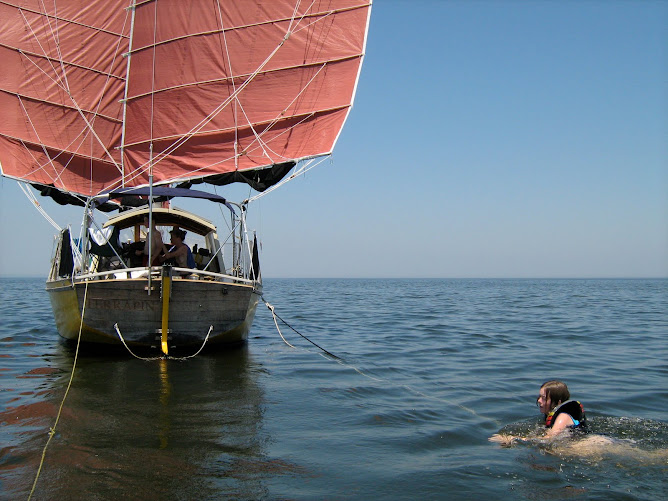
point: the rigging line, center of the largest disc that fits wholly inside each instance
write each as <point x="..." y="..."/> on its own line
<point x="288" y="130"/>
<point x="280" y="117"/>
<point x="56" y="37"/>
<point x="111" y="119"/>
<point x="294" y="14"/>
<point x="39" y="43"/>
<point x="230" y="79"/>
<point x="303" y="116"/>
<point x="68" y="21"/>
<point x="318" y="17"/>
<point x="255" y="134"/>
<point x="309" y="164"/>
<point x="234" y="85"/>
<point x="342" y="362"/>
<point x="324" y="15"/>
<point x="52" y="430"/>
<point x="31" y="196"/>
<point x="44" y="150"/>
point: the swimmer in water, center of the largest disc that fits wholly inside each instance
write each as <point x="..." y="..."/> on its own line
<point x="561" y="414"/>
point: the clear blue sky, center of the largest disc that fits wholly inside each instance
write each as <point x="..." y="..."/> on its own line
<point x="488" y="139"/>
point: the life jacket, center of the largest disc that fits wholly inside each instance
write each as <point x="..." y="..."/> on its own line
<point x="571" y="407"/>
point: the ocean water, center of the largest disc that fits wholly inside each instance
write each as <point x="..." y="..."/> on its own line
<point x="429" y="370"/>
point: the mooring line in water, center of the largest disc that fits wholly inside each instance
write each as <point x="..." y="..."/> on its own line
<point x="52" y="430"/>
<point x="275" y="315"/>
<point x="340" y="361"/>
<point x="163" y="357"/>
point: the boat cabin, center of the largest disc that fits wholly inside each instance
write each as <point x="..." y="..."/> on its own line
<point x="123" y="238"/>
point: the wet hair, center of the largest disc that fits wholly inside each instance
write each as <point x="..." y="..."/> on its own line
<point x="556" y="391"/>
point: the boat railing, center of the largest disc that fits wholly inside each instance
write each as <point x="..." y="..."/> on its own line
<point x="141" y="272"/>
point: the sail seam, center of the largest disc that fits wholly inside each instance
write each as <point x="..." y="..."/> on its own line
<point x="61" y="105"/>
<point x="200" y="133"/>
<point x="247" y="75"/>
<point x="58" y="18"/>
<point x="191" y="173"/>
<point x="65" y="151"/>
<point x="320" y="14"/>
<point x="66" y="63"/>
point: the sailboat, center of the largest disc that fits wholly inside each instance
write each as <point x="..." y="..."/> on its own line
<point x="120" y="107"/>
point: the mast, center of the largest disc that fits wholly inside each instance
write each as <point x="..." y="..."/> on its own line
<point x="128" y="58"/>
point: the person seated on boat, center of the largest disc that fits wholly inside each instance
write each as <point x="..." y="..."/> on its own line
<point x="179" y="254"/>
<point x="561" y="413"/>
<point x="156" y="245"/>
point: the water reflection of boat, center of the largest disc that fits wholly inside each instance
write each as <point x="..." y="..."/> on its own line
<point x="127" y="103"/>
<point x="159" y="430"/>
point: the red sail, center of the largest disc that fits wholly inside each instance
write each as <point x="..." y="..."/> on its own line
<point x="98" y="94"/>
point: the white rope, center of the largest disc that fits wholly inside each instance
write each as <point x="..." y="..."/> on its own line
<point x="273" y="313"/>
<point x="52" y="430"/>
<point x="197" y="352"/>
<point x="168" y="357"/>
<point x="258" y="137"/>
<point x="307" y="166"/>
<point x="146" y="359"/>
<point x="31" y="196"/>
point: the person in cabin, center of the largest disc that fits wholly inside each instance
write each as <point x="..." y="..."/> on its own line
<point x="156" y="245"/>
<point x="561" y="413"/>
<point x="179" y="253"/>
